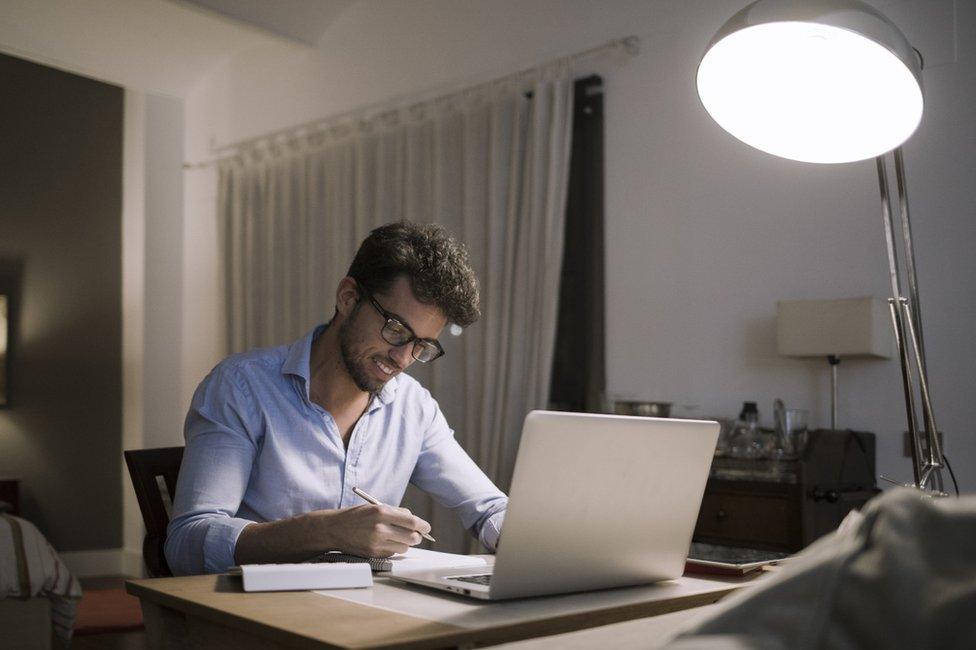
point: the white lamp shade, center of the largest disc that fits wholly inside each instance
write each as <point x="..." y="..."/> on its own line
<point x="824" y="81"/>
<point x="846" y="327"/>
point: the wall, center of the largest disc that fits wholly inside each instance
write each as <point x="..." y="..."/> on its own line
<point x="60" y="218"/>
<point x="703" y="233"/>
<point x="163" y="320"/>
<point x="152" y="290"/>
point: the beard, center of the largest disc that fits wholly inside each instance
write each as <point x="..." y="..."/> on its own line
<point x="356" y="364"/>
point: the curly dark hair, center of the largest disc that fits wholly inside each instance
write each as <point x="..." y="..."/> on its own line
<point x="435" y="263"/>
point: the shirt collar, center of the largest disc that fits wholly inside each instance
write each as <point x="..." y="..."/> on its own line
<point x="300" y="355"/>
<point x="298" y="363"/>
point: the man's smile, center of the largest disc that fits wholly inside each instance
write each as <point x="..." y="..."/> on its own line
<point x="386" y="369"/>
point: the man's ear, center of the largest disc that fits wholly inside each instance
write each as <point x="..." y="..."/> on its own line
<point x="347" y="295"/>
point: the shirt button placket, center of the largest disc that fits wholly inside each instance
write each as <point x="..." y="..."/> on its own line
<point x="349" y="470"/>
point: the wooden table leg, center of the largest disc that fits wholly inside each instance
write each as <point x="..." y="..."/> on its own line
<point x="168" y="629"/>
<point x="165" y="627"/>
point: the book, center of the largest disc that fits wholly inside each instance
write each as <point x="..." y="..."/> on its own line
<point x="294" y="577"/>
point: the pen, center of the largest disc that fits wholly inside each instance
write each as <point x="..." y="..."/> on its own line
<point x="377" y="502"/>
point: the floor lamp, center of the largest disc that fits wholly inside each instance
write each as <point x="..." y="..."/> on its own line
<point x="833" y="81"/>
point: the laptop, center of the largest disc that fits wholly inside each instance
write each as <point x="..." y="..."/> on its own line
<point x="596" y="501"/>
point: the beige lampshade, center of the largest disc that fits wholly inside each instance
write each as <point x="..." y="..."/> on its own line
<point x="847" y="327"/>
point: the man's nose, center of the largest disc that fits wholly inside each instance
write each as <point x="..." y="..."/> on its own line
<point x="403" y="355"/>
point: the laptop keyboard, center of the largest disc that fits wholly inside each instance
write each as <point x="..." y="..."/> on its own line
<point x="483" y="579"/>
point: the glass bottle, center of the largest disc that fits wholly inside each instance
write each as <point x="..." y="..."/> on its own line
<point x="746" y="441"/>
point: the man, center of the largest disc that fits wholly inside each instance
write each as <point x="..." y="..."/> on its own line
<point x="277" y="438"/>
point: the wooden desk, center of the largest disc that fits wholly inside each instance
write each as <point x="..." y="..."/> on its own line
<point x="213" y="612"/>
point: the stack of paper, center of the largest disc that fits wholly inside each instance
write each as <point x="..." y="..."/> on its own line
<point x="418" y="559"/>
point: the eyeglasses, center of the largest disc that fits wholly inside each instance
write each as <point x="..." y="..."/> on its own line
<point x="397" y="333"/>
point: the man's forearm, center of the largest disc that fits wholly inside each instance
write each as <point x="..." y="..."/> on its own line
<point x="288" y="540"/>
<point x="367" y="530"/>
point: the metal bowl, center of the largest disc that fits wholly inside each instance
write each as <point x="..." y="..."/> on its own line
<point x="646" y="409"/>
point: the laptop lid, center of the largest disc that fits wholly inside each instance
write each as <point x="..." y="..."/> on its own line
<point x="601" y="501"/>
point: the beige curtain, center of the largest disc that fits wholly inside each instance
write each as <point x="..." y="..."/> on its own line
<point x="490" y="165"/>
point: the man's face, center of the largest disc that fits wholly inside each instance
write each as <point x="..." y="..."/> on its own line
<point x="369" y="359"/>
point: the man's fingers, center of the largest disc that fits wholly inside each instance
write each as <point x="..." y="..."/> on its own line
<point x="390" y="540"/>
<point x="401" y="535"/>
<point x="385" y="549"/>
<point x="403" y="518"/>
<point x="421" y="526"/>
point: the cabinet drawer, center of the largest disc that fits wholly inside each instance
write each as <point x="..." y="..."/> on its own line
<point x="756" y="520"/>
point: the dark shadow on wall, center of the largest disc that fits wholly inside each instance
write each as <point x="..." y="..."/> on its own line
<point x="61" y="243"/>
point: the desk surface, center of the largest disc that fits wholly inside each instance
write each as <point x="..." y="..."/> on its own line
<point x="212" y="611"/>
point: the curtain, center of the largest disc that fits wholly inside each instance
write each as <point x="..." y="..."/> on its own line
<point x="490" y="165"/>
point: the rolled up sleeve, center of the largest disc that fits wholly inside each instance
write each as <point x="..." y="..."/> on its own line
<point x="220" y="452"/>
<point x="446" y="472"/>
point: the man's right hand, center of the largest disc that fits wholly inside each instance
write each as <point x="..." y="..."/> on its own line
<point x="366" y="530"/>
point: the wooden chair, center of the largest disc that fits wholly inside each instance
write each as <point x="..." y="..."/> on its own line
<point x="153" y="473"/>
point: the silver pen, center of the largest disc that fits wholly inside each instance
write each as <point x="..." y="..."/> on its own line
<point x="376" y="502"/>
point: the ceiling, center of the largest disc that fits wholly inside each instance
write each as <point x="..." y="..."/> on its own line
<point x="159" y="46"/>
<point x="300" y="20"/>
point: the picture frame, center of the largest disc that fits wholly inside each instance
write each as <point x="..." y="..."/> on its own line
<point x="4" y="348"/>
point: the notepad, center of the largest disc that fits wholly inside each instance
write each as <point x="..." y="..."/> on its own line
<point x="293" y="577"/>
<point x="415" y="559"/>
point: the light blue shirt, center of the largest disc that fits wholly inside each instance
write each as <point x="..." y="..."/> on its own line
<point x="258" y="449"/>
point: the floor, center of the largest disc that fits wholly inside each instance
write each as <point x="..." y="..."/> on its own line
<point x="132" y="640"/>
<point x="111" y="641"/>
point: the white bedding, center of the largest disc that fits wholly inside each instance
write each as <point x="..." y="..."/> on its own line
<point x="29" y="567"/>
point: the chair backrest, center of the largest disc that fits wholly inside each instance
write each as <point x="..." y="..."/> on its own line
<point x="153" y="473"/>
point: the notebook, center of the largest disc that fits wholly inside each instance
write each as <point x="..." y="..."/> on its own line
<point x="335" y="570"/>
<point x="415" y="559"/>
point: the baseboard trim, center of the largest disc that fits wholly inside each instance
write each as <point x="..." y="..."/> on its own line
<point x="106" y="562"/>
<point x="132" y="564"/>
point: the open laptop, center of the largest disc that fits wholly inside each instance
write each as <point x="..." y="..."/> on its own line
<point x="596" y="501"/>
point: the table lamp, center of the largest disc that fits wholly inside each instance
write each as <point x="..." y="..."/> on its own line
<point x="833" y="330"/>
<point x="832" y="81"/>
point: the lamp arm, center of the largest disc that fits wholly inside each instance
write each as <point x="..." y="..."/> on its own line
<point x="906" y="322"/>
<point x="935" y="451"/>
<point x="909" y="247"/>
<point x="914" y="317"/>
<point x="908" y="386"/>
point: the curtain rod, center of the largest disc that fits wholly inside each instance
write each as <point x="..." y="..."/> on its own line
<point x="629" y="45"/>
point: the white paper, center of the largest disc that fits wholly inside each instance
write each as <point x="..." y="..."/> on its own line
<point x="418" y="559"/>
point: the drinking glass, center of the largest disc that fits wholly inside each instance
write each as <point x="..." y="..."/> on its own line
<point x="794" y="434"/>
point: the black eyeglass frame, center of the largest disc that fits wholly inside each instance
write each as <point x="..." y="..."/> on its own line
<point x="393" y="324"/>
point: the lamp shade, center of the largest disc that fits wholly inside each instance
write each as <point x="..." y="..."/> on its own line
<point x="824" y="81"/>
<point x="847" y="327"/>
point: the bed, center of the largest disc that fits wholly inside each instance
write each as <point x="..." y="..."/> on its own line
<point x="38" y="595"/>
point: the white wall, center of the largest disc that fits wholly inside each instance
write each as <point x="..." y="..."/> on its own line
<point x="133" y="307"/>
<point x="703" y="233"/>
<point x="152" y="304"/>
<point x="163" y="406"/>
